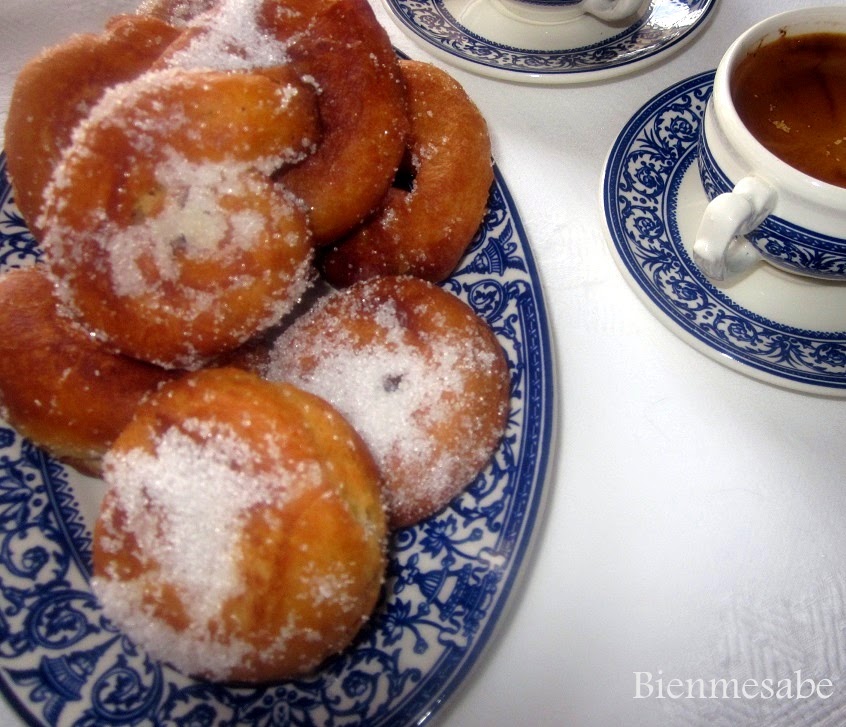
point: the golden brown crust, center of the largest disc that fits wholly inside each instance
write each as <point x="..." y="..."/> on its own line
<point x="425" y="231"/>
<point x="363" y="117"/>
<point x="309" y="542"/>
<point x="174" y="246"/>
<point x="417" y="372"/>
<point x="58" y="386"/>
<point x="54" y="91"/>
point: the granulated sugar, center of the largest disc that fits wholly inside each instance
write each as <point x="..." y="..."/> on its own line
<point x="398" y="391"/>
<point x="229" y="38"/>
<point x="185" y="504"/>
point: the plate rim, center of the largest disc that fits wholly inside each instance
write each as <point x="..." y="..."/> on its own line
<point x="417" y="708"/>
<point x="543" y="473"/>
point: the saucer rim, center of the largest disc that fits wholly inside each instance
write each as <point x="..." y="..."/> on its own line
<point x="557" y="76"/>
<point x="653" y="296"/>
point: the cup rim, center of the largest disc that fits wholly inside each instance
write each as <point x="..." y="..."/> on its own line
<point x="769" y="29"/>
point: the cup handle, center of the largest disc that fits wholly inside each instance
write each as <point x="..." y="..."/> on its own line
<point x="612" y="9"/>
<point x="720" y="249"/>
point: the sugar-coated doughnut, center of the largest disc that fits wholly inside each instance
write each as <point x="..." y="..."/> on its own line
<point x="416" y="371"/>
<point x="339" y="46"/>
<point x="242" y="535"/>
<point x="166" y="234"/>
<point x="57" y="88"/>
<point x="362" y="110"/>
<point x="424" y="231"/>
<point x="58" y="387"/>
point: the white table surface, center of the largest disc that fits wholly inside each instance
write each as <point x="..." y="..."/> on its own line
<point x="695" y="521"/>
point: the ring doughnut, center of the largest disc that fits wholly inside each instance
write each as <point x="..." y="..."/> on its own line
<point x="55" y="90"/>
<point x="242" y="535"/>
<point x="340" y="47"/>
<point x="171" y="245"/>
<point x="418" y="374"/>
<point x="58" y="387"/>
<point x="362" y="111"/>
<point x="425" y="231"/>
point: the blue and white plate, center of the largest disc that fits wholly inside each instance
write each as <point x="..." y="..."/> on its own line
<point x="785" y="329"/>
<point x="490" y="38"/>
<point x="448" y="581"/>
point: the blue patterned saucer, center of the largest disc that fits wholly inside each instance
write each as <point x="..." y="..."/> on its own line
<point x="781" y="328"/>
<point x="485" y="37"/>
<point x="448" y="582"/>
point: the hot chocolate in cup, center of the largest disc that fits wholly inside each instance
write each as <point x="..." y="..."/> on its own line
<point x="772" y="150"/>
<point x="608" y="10"/>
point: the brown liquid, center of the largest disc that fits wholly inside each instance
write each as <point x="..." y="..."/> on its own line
<point x="791" y="94"/>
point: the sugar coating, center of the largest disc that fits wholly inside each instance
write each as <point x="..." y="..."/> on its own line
<point x="149" y="132"/>
<point x="230" y="39"/>
<point x="401" y="392"/>
<point x="180" y="12"/>
<point x="217" y="211"/>
<point x="191" y="226"/>
<point x="186" y="505"/>
<point x="186" y="647"/>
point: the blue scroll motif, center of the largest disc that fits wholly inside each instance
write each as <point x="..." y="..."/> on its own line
<point x="645" y="170"/>
<point x="787" y="245"/>
<point x="61" y="662"/>
<point x="19" y="247"/>
<point x="432" y="19"/>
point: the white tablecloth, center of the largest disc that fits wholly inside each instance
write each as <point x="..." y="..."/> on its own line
<point x="695" y="523"/>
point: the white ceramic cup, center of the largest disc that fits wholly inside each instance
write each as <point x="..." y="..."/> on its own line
<point x="762" y="209"/>
<point x="609" y="10"/>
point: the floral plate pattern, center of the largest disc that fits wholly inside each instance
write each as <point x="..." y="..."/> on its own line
<point x="449" y="578"/>
<point x="582" y="56"/>
<point x="653" y="199"/>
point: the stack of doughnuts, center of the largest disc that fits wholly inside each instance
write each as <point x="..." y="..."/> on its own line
<point x="199" y="175"/>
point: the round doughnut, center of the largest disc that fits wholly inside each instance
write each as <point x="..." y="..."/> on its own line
<point x="58" y="387"/>
<point x="424" y="231"/>
<point x="362" y="110"/>
<point x="417" y="373"/>
<point x="57" y="88"/>
<point x="242" y="535"/>
<point x="173" y="245"/>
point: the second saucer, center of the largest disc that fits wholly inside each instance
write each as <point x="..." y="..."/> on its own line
<point x="546" y="45"/>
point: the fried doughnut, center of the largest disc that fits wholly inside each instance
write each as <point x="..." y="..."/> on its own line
<point x="167" y="236"/>
<point x="242" y="535"/>
<point x="58" y="387"/>
<point x="362" y="111"/>
<point x="339" y="46"/>
<point x="56" y="89"/>
<point x="425" y="231"/>
<point x="417" y="373"/>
